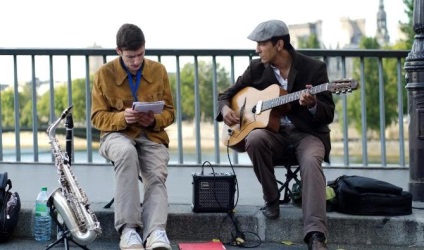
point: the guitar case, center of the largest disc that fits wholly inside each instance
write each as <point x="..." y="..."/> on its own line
<point x="360" y="195"/>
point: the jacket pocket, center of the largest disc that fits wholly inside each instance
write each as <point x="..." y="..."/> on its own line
<point x="152" y="97"/>
<point x="120" y="104"/>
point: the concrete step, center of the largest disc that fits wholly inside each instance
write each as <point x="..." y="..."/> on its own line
<point x="369" y="232"/>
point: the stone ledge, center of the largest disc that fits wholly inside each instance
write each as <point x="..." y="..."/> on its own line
<point x="183" y="224"/>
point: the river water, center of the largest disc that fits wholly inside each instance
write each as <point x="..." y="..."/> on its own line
<point x="44" y="156"/>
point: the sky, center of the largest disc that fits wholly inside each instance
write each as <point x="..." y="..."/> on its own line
<point x="176" y="24"/>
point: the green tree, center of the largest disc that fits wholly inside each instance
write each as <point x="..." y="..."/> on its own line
<point x="79" y="99"/>
<point x="310" y="42"/>
<point x="7" y="108"/>
<point x="43" y="108"/>
<point x="205" y="74"/>
<point x="391" y="65"/>
<point x="25" y="107"/>
<point x="390" y="79"/>
<point x="25" y="103"/>
<point x="61" y="101"/>
<point x="391" y="71"/>
<point x="407" y="28"/>
<point x="372" y="94"/>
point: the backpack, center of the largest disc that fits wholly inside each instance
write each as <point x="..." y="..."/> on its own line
<point x="360" y="195"/>
<point x="10" y="205"/>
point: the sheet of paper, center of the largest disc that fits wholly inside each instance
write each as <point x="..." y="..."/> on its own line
<point x="156" y="107"/>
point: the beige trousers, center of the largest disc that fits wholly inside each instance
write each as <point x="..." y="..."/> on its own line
<point x="131" y="157"/>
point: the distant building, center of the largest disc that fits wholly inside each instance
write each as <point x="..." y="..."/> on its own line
<point x="351" y="33"/>
<point x="382" y="34"/>
<point x="348" y="37"/>
<point x="303" y="31"/>
<point x="95" y="61"/>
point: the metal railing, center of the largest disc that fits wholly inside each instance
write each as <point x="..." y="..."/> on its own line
<point x="30" y="64"/>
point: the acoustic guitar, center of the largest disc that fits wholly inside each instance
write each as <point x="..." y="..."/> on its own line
<point x="264" y="108"/>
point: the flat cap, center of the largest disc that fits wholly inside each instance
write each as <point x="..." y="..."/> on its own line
<point x="269" y="29"/>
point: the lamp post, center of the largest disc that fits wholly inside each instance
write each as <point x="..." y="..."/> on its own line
<point x="414" y="67"/>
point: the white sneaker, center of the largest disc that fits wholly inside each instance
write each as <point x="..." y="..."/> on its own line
<point x="131" y="241"/>
<point x="158" y="241"/>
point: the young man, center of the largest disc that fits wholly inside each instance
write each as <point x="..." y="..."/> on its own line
<point x="135" y="142"/>
<point x="305" y="125"/>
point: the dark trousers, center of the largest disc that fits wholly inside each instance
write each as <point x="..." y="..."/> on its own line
<point x="265" y="149"/>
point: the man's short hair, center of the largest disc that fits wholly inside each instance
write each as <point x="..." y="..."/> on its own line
<point x="285" y="38"/>
<point x="130" y="37"/>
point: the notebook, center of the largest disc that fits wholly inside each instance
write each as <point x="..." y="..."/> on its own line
<point x="201" y="246"/>
<point x="156" y="107"/>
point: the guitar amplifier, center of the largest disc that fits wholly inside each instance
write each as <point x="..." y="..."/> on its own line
<point x="213" y="192"/>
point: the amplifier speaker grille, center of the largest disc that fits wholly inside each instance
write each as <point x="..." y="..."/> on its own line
<point x="213" y="193"/>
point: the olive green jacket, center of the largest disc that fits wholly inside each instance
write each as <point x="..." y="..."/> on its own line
<point x="111" y="95"/>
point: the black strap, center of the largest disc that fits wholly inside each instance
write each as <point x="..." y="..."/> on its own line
<point x="9" y="182"/>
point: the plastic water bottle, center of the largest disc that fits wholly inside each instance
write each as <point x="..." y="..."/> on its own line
<point x="43" y="221"/>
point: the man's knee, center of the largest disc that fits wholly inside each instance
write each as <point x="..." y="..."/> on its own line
<point x="256" y="139"/>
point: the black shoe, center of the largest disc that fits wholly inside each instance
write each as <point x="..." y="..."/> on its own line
<point x="317" y="241"/>
<point x="271" y="210"/>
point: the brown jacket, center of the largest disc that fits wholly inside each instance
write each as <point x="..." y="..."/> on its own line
<point x="111" y="95"/>
<point x="304" y="70"/>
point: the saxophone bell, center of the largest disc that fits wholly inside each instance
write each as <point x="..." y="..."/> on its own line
<point x="81" y="235"/>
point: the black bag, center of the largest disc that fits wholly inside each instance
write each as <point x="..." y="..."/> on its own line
<point x="360" y="195"/>
<point x="10" y="205"/>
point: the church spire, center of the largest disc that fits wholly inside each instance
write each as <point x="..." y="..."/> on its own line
<point x="382" y="33"/>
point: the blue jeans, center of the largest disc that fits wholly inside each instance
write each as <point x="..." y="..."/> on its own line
<point x="131" y="157"/>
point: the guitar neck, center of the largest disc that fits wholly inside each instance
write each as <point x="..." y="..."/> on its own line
<point x="269" y="104"/>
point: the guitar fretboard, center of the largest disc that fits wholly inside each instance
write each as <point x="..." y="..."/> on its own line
<point x="292" y="97"/>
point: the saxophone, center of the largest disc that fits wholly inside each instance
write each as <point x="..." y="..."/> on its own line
<point x="71" y="202"/>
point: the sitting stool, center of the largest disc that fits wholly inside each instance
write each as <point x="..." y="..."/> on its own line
<point x="113" y="199"/>
<point x="288" y="162"/>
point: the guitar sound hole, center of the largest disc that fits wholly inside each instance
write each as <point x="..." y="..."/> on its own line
<point x="254" y="109"/>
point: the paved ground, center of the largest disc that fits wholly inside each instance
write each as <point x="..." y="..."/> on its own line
<point x="180" y="189"/>
<point x="28" y="244"/>
<point x="97" y="180"/>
